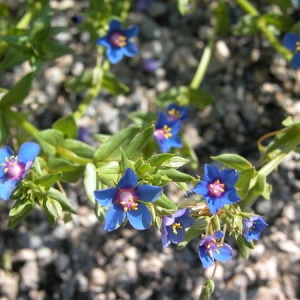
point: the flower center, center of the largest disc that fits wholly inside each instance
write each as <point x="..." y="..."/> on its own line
<point x="163" y="133"/>
<point x="211" y="246"/>
<point x="175" y="226"/>
<point x="216" y="189"/>
<point x="117" y="39"/>
<point x="13" y="169"/>
<point x="174" y="114"/>
<point x="298" y="46"/>
<point x="127" y="200"/>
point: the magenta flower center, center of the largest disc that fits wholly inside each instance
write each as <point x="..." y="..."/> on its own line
<point x="216" y="188"/>
<point x="117" y="39"/>
<point x="212" y="245"/>
<point x="13" y="169"/>
<point x="127" y="200"/>
<point x="163" y="133"/>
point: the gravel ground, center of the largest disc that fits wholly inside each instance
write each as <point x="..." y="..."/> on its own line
<point x="255" y="90"/>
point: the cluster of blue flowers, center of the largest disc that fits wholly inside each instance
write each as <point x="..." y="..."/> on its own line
<point x="168" y="127"/>
<point x="129" y="201"/>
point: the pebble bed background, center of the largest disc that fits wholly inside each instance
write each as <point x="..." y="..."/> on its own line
<point x="255" y="90"/>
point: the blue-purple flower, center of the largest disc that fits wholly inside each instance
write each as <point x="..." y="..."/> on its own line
<point x="117" y="41"/>
<point x="176" y="112"/>
<point x="166" y="133"/>
<point x="210" y="250"/>
<point x="252" y="228"/>
<point x="173" y="227"/>
<point x="126" y="200"/>
<point x="149" y="65"/>
<point x="217" y="187"/>
<point x="292" y="42"/>
<point x="14" y="168"/>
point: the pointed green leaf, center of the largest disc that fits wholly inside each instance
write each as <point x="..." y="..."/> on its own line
<point x="49" y="179"/>
<point x="233" y="161"/>
<point x="19" y="91"/>
<point x="12" y="58"/>
<point x="243" y="183"/>
<point x="109" y="150"/>
<point x="207" y="290"/>
<point x="175" y="175"/>
<point x="112" y="85"/>
<point x="19" y="212"/>
<point x="67" y="126"/>
<point x="165" y="202"/>
<point x="108" y="174"/>
<point x="61" y="199"/>
<point x="90" y="181"/>
<point x="54" y="209"/>
<point x="49" y="139"/>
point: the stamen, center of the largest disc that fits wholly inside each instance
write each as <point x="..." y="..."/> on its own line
<point x="298" y="46"/>
<point x="175" y="226"/>
<point x="216" y="188"/>
<point x="174" y="113"/>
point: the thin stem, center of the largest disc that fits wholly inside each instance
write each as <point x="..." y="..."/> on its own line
<point x="204" y="62"/>
<point x="31" y="129"/>
<point x="261" y="24"/>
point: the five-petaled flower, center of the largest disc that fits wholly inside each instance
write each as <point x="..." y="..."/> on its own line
<point x="292" y="42"/>
<point x="166" y="133"/>
<point x="252" y="227"/>
<point x="173" y="227"/>
<point x="126" y="200"/>
<point x="117" y="41"/>
<point x="210" y="250"/>
<point x="14" y="168"/>
<point x="176" y="112"/>
<point x="217" y="187"/>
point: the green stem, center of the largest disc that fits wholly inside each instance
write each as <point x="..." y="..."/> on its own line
<point x="204" y="62"/>
<point x="261" y="24"/>
<point x="66" y="153"/>
<point x="92" y="92"/>
<point x="32" y="130"/>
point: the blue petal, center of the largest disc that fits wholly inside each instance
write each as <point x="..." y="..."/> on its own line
<point x="129" y="180"/>
<point x="176" y="238"/>
<point x="162" y="120"/>
<point x="295" y="62"/>
<point x="175" y="125"/>
<point x="229" y="177"/>
<point x="131" y="31"/>
<point x="217" y="234"/>
<point x="290" y="39"/>
<point x="115" y="216"/>
<point x="211" y="172"/>
<point x="7" y="187"/>
<point x="4" y="152"/>
<point x="107" y="196"/>
<point x="205" y="258"/>
<point x="141" y="218"/>
<point x="185" y="221"/>
<point x="201" y="188"/>
<point x="104" y="41"/>
<point x="130" y="49"/>
<point x="114" y="25"/>
<point x="28" y="152"/>
<point x="181" y="212"/>
<point x="167" y="220"/>
<point x="225" y="253"/>
<point x="148" y="193"/>
<point x="229" y="197"/>
<point x="214" y="204"/>
<point x="114" y="55"/>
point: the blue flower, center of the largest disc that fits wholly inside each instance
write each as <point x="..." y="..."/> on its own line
<point x="217" y="187"/>
<point x="252" y="227"/>
<point x="117" y="41"/>
<point x="149" y="65"/>
<point x="292" y="42"/>
<point x="210" y="250"/>
<point x="176" y="112"/>
<point x="166" y="133"/>
<point x="173" y="227"/>
<point x="14" y="168"/>
<point x="126" y="200"/>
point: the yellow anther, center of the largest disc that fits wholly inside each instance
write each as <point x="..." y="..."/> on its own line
<point x="121" y="41"/>
<point x="298" y="46"/>
<point x="175" y="226"/>
<point x="174" y="112"/>
<point x="167" y="133"/>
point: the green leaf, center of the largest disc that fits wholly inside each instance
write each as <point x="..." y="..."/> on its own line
<point x="81" y="149"/>
<point x="263" y="187"/>
<point x="53" y="208"/>
<point x="67" y="126"/>
<point x="244" y="246"/>
<point x="49" y="139"/>
<point x="3" y="128"/>
<point x="90" y="181"/>
<point x="19" y="91"/>
<point x="158" y="159"/>
<point x="112" y="85"/>
<point x="12" y="58"/>
<point x="222" y="15"/>
<point x="247" y="25"/>
<point x="100" y="212"/>
<point x="136" y="145"/>
<point x="278" y="20"/>
<point x="182" y="6"/>
<point x="109" y="150"/>
<point x="243" y="183"/>
<point x="233" y="161"/>
<point x="80" y="83"/>
<point x="48" y="179"/>
<point x="108" y="174"/>
<point x="18" y="212"/>
<point x="53" y="50"/>
<point x="61" y="199"/>
<point x="175" y="175"/>
<point x="165" y="203"/>
<point x="284" y="5"/>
